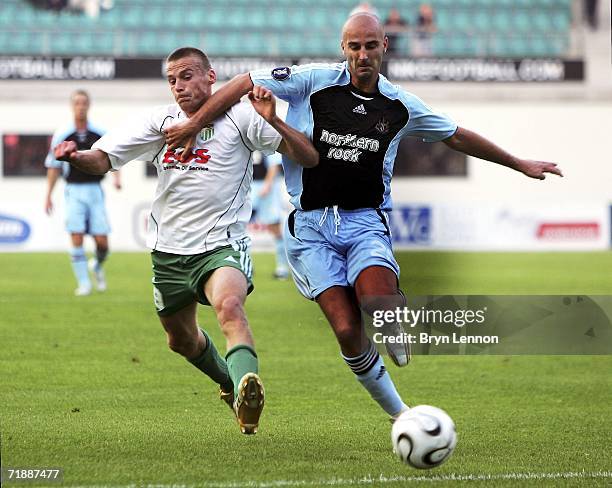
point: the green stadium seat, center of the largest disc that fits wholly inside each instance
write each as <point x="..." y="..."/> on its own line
<point x="561" y="20"/>
<point x="61" y="43"/>
<point x="154" y="18"/>
<point x="443" y="19"/>
<point x="501" y="22"/>
<point x="281" y="27"/>
<point x="133" y="16"/>
<point x="541" y="22"/>
<point x="462" y="21"/>
<point x="522" y="21"/>
<point x="481" y="20"/>
<point x="24" y="15"/>
<point x="147" y="43"/>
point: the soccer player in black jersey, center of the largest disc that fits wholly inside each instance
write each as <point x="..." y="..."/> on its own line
<point x="338" y="240"/>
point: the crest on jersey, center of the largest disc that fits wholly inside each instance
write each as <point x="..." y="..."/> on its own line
<point x="383" y="125"/>
<point x="281" y="73"/>
<point x="207" y="132"/>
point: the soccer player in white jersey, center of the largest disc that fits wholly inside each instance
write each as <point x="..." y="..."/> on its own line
<point x="197" y="225"/>
<point x="338" y="239"/>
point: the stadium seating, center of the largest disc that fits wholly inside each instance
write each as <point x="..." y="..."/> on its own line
<point x="303" y="28"/>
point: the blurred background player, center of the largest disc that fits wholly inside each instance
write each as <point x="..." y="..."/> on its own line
<point x="425" y="29"/>
<point x="85" y="210"/>
<point x="396" y="28"/>
<point x="267" y="204"/>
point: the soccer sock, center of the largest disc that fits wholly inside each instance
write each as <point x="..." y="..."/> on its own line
<point x="241" y="359"/>
<point x="101" y="255"/>
<point x="370" y="370"/>
<point x="213" y="365"/>
<point x="79" y="265"/>
<point x="281" y="256"/>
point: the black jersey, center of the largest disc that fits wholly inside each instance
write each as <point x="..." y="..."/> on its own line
<point x="356" y="133"/>
<point x="84" y="140"/>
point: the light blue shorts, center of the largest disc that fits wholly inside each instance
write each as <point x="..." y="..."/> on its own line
<point x="267" y="209"/>
<point x="85" y="210"/>
<point x="332" y="248"/>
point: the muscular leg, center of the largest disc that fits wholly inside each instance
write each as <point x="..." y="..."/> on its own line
<point x="226" y="290"/>
<point x="188" y="340"/>
<point x="184" y="337"/>
<point x="376" y="289"/>
<point x="79" y="264"/>
<point x="340" y="307"/>
<point x="377" y="281"/>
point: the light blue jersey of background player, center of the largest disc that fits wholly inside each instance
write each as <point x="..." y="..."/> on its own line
<point x="84" y="197"/>
<point x="266" y="198"/>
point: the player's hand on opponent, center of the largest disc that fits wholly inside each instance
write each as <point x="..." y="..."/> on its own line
<point x="65" y="151"/>
<point x="537" y="169"/>
<point x="182" y="135"/>
<point x="264" y="102"/>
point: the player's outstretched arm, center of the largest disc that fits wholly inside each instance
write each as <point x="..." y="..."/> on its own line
<point x="471" y="143"/>
<point x="94" y="161"/>
<point x="295" y="145"/>
<point x="183" y="134"/>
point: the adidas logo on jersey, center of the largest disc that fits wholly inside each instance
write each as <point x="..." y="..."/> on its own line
<point x="231" y="259"/>
<point x="360" y="109"/>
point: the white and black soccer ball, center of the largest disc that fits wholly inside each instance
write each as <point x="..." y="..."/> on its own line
<point x="424" y="437"/>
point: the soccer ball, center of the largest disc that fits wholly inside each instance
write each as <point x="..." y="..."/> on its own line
<point x="423" y="437"/>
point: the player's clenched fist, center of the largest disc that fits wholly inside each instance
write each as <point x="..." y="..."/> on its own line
<point x="65" y="151"/>
<point x="263" y="101"/>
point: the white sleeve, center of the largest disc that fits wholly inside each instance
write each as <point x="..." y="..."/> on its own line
<point x="140" y="139"/>
<point x="261" y="135"/>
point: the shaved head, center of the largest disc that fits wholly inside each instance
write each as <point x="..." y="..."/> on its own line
<point x="363" y="44"/>
<point x="363" y="21"/>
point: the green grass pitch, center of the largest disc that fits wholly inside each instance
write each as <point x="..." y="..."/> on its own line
<point x="89" y="385"/>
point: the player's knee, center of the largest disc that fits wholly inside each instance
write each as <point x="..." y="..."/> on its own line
<point x="348" y="337"/>
<point x="391" y="301"/>
<point x="230" y="312"/>
<point x="182" y="344"/>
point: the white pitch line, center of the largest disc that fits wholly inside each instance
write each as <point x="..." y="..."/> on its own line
<point x="371" y="480"/>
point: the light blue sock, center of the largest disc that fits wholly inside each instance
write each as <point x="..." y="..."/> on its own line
<point x="369" y="368"/>
<point x="79" y="266"/>
<point x="281" y="256"/>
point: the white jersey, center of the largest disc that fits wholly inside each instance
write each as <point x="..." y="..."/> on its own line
<point x="202" y="203"/>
